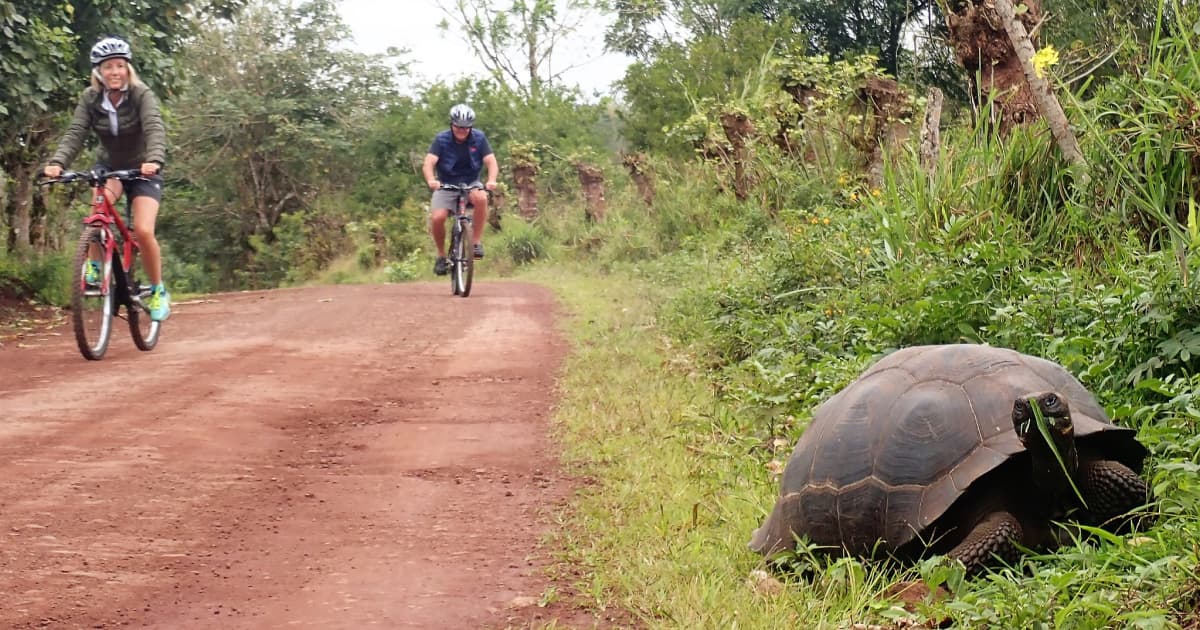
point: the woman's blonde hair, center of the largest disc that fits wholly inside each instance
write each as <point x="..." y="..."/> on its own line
<point x="98" y="80"/>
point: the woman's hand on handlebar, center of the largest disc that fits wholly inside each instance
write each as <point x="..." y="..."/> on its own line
<point x="150" y="168"/>
<point x="490" y="186"/>
<point x="434" y="184"/>
<point x="52" y="171"/>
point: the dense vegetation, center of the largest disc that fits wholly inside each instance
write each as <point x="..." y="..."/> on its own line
<point x="782" y="262"/>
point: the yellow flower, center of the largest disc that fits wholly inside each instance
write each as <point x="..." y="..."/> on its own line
<point x="853" y="196"/>
<point x="875" y="192"/>
<point x="1043" y="59"/>
<point x="826" y="221"/>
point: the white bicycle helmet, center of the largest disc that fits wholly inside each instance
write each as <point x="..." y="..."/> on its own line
<point x="462" y="115"/>
<point x="111" y="48"/>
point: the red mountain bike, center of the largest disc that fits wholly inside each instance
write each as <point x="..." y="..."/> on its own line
<point x="109" y="250"/>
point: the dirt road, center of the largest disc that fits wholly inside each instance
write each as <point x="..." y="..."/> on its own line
<point x="332" y="457"/>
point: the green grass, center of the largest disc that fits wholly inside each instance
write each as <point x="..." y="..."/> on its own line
<point x="662" y="532"/>
<point x="678" y="480"/>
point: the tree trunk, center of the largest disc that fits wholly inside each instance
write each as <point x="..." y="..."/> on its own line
<point x="738" y="129"/>
<point x="4" y="206"/>
<point x="496" y="208"/>
<point x="1047" y="103"/>
<point x="931" y="134"/>
<point x="636" y="164"/>
<point x="885" y="108"/>
<point x="525" y="179"/>
<point x="19" y="212"/>
<point x="592" y="180"/>
<point x="984" y="49"/>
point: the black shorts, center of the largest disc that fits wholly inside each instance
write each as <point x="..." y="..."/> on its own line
<point x="140" y="188"/>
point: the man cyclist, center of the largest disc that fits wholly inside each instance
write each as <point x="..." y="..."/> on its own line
<point x="124" y="115"/>
<point x="459" y="154"/>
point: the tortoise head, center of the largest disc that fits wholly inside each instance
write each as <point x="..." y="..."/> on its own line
<point x="1057" y="414"/>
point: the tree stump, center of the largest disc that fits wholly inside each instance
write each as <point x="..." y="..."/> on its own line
<point x="639" y="170"/>
<point x="496" y="207"/>
<point x="738" y="129"/>
<point x="982" y="46"/>
<point x="525" y="179"/>
<point x="592" y="180"/>
<point x="886" y="111"/>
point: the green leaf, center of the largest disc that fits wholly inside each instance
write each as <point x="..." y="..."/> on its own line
<point x="1044" y="429"/>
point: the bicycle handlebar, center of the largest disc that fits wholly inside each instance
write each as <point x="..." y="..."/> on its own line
<point x="95" y="178"/>
<point x="463" y="187"/>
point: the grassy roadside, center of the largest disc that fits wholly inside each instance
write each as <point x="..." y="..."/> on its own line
<point x="676" y="486"/>
<point x="662" y="527"/>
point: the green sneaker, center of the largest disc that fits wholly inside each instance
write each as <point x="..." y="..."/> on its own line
<point x="91" y="275"/>
<point x="159" y="304"/>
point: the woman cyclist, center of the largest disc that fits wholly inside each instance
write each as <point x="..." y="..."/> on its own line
<point x="124" y="115"/>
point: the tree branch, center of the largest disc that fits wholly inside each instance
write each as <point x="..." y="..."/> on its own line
<point x="1047" y="104"/>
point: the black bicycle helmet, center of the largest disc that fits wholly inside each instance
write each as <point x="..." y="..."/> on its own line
<point x="462" y="115"/>
<point x="111" y="48"/>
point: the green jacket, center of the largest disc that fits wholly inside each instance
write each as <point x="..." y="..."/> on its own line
<point x="141" y="136"/>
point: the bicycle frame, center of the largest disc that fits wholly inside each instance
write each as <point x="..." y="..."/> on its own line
<point x="105" y="216"/>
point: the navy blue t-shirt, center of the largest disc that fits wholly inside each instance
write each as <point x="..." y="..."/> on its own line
<point x="460" y="163"/>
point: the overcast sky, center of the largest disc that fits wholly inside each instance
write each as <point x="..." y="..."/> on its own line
<point x="412" y="24"/>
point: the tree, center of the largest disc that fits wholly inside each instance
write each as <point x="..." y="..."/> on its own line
<point x="839" y="28"/>
<point x="664" y="91"/>
<point x="518" y="44"/>
<point x="644" y="28"/>
<point x="44" y="64"/>
<point x="270" y="116"/>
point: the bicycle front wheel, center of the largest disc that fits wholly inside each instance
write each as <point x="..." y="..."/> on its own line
<point x="466" y="268"/>
<point x="92" y="302"/>
<point x="456" y="252"/>
<point x="143" y="329"/>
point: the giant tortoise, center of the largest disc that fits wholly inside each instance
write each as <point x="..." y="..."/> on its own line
<point x="937" y="449"/>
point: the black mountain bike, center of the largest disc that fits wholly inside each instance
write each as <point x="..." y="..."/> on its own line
<point x="461" y="258"/>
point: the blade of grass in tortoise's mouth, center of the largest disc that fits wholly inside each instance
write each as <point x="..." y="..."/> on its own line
<point x="1044" y="429"/>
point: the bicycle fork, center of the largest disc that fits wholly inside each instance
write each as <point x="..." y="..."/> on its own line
<point x="101" y="253"/>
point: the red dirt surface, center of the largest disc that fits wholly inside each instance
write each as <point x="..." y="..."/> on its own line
<point x="331" y="457"/>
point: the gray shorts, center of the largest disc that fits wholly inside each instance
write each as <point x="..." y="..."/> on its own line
<point x="445" y="199"/>
<point x="140" y="188"/>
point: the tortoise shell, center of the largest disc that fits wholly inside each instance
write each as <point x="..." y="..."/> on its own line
<point x="888" y="455"/>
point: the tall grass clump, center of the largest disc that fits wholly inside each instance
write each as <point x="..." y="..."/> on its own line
<point x="524" y="241"/>
<point x="1144" y="128"/>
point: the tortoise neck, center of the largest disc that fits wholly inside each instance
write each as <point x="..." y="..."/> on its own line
<point x="1048" y="475"/>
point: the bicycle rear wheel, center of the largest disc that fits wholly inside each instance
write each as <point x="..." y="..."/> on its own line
<point x="143" y="329"/>
<point x="92" y="303"/>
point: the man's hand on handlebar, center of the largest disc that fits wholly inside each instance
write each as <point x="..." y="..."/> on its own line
<point x="433" y="184"/>
<point x="52" y="171"/>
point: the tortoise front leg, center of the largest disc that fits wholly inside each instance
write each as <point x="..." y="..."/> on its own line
<point x="994" y="536"/>
<point x="1111" y="490"/>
